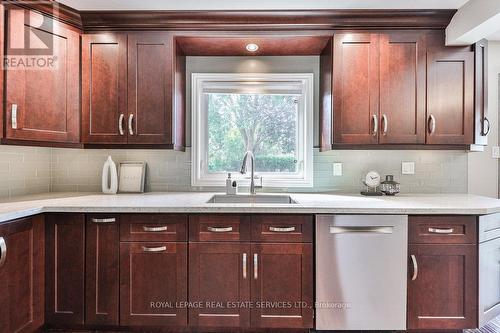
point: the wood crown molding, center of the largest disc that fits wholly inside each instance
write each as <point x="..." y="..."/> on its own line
<point x="277" y="20"/>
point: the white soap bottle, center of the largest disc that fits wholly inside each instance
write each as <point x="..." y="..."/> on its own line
<point x="109" y="177"/>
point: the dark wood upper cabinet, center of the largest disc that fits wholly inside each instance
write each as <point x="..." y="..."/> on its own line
<point x="356" y="88"/>
<point x="102" y="270"/>
<point x="42" y="103"/>
<point x="482" y="123"/>
<point x="402" y="88"/>
<point x="219" y="272"/>
<point x="153" y="284"/>
<point x="104" y="88"/>
<point x="282" y="274"/>
<point x="150" y="88"/>
<point x="65" y="269"/>
<point x="22" y="273"/>
<point x="450" y="97"/>
<point x="443" y="292"/>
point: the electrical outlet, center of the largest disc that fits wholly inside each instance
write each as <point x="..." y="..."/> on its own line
<point x="495" y="152"/>
<point x="408" y="168"/>
<point x="337" y="169"/>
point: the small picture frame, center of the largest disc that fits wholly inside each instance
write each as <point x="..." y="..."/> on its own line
<point x="131" y="177"/>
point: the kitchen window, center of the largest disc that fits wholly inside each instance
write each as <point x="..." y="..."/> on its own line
<point x="270" y="115"/>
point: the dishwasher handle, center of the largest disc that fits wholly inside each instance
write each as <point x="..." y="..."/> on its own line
<point x="361" y="229"/>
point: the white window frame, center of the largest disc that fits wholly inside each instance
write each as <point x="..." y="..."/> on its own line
<point x="199" y="168"/>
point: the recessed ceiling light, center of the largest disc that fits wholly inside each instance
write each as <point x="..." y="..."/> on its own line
<point x="252" y="47"/>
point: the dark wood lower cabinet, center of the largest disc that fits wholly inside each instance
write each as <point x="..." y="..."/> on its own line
<point x="219" y="280"/>
<point x="153" y="284"/>
<point x="102" y="270"/>
<point x="21" y="275"/>
<point x="65" y="269"/>
<point x="442" y="290"/>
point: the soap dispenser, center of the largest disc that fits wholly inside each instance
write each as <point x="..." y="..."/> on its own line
<point x="231" y="188"/>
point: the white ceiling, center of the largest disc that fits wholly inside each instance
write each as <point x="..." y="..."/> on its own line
<point x="259" y="4"/>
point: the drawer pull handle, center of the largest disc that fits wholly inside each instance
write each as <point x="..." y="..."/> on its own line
<point x="3" y="251"/>
<point x="108" y="220"/>
<point x="155" y="229"/>
<point x="215" y="229"/>
<point x="441" y="231"/>
<point x="154" y="249"/>
<point x="281" y="229"/>
<point x="415" y="267"/>
<point x="244" y="265"/>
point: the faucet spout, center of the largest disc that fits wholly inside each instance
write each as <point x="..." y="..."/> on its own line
<point x="252" y="171"/>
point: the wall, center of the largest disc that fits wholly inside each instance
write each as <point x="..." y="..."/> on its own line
<point x="482" y="168"/>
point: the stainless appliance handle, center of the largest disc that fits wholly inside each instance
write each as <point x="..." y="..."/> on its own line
<point x="215" y="229"/>
<point x="357" y="229"/>
<point x="130" y="123"/>
<point x="155" y="229"/>
<point x="107" y="220"/>
<point x="441" y="230"/>
<point x="415" y="267"/>
<point x="385" y="124"/>
<point x="244" y="265"/>
<point x="432" y="125"/>
<point x="281" y="229"/>
<point x="486" y="121"/>
<point x="3" y="251"/>
<point x="375" y="125"/>
<point x="120" y="124"/>
<point x="154" y="249"/>
<point x="255" y="266"/>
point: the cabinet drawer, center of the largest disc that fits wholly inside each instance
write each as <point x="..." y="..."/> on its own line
<point x="443" y="229"/>
<point x="489" y="227"/>
<point x="215" y="227"/>
<point x="153" y="227"/>
<point x="282" y="228"/>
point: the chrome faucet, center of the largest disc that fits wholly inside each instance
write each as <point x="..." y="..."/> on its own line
<point x="252" y="172"/>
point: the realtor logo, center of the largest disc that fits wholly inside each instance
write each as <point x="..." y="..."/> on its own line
<point x="30" y="36"/>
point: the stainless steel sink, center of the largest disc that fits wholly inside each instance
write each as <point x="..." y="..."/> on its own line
<point x="256" y="199"/>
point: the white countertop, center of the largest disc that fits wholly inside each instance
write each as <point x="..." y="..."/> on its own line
<point x="196" y="202"/>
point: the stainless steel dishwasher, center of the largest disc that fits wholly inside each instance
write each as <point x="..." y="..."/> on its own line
<point x="361" y="272"/>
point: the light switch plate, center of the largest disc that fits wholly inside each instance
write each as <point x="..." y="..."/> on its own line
<point x="337" y="169"/>
<point x="408" y="168"/>
<point x="495" y="152"/>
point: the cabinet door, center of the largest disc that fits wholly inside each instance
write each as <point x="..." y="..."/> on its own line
<point x="489" y="281"/>
<point x="219" y="278"/>
<point x="65" y="269"/>
<point x="22" y="246"/>
<point x="356" y="88"/>
<point x="101" y="270"/>
<point x="450" y="97"/>
<point x="442" y="291"/>
<point x="150" y="88"/>
<point x="104" y="88"/>
<point x="153" y="284"/>
<point x="282" y="282"/>
<point x="402" y="88"/>
<point x="47" y="95"/>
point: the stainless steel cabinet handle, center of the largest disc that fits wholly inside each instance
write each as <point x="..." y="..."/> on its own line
<point x="3" y="251"/>
<point x="130" y="122"/>
<point x="432" y="125"/>
<point x="108" y="220"/>
<point x="385" y="125"/>
<point x="255" y="266"/>
<point x="441" y="231"/>
<point x="375" y="125"/>
<point x="120" y="124"/>
<point x="13" y="114"/>
<point x="244" y="265"/>
<point x="357" y="229"/>
<point x="155" y="229"/>
<point x="486" y="121"/>
<point x="154" y="249"/>
<point x="215" y="229"/>
<point x="281" y="229"/>
<point x="415" y="267"/>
